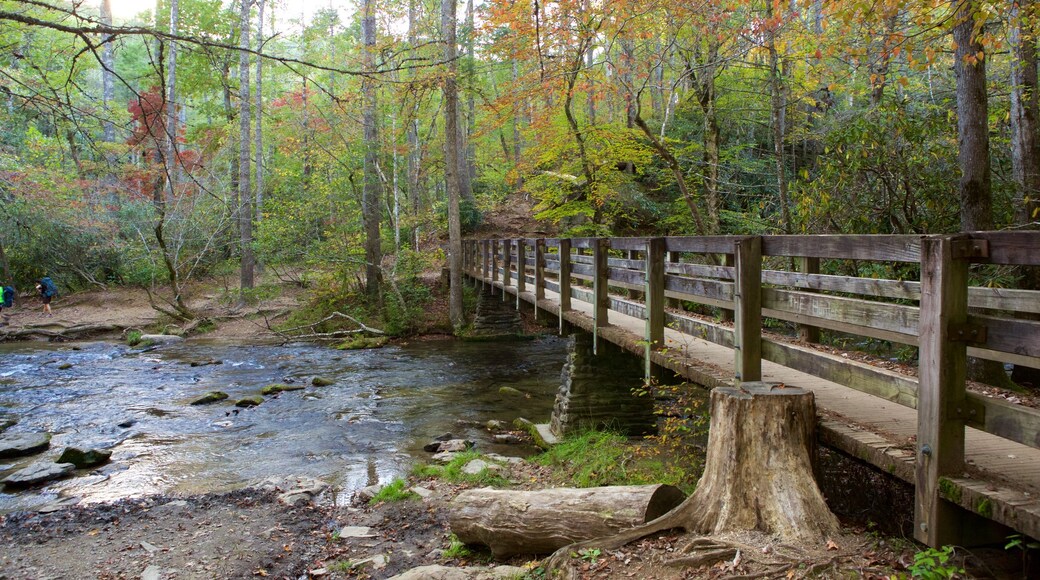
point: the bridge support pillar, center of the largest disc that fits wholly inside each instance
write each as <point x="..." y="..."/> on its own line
<point x="596" y="391"/>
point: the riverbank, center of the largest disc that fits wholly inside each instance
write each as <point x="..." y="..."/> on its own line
<point x="254" y="533"/>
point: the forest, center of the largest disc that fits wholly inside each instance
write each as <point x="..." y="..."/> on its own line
<point x="356" y="143"/>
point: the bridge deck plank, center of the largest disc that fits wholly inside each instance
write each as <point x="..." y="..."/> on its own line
<point x="865" y="426"/>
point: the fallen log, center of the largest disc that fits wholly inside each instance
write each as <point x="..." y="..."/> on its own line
<point x="538" y="522"/>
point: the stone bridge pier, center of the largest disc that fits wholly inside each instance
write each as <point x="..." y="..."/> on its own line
<point x="495" y="317"/>
<point x="596" y="391"/>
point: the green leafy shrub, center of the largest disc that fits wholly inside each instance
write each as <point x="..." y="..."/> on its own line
<point x="935" y="564"/>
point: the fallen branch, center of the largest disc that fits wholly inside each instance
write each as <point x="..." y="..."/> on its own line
<point x="288" y="332"/>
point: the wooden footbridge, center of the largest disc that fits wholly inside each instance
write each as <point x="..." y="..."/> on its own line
<point x="963" y="451"/>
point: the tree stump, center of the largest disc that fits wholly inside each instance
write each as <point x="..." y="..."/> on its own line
<point x="758" y="474"/>
<point x="538" y="522"/>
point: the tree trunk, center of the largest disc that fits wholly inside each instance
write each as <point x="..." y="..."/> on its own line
<point x="778" y="108"/>
<point x="245" y="194"/>
<point x="259" y="137"/>
<point x="470" y="163"/>
<point x="451" y="167"/>
<point x="371" y="209"/>
<point x="539" y="522"/>
<point x="1025" y="113"/>
<point x="171" y="107"/>
<point x="107" y="73"/>
<point x="972" y="121"/>
<point x="414" y="150"/>
<point x="517" y="139"/>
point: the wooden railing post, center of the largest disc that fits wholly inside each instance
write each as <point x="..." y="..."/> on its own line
<point x="806" y="332"/>
<point x="521" y="270"/>
<point x="494" y="264"/>
<point x="673" y="258"/>
<point x="507" y="265"/>
<point x="485" y="261"/>
<point x="654" y="298"/>
<point x="600" y="301"/>
<point x="539" y="273"/>
<point x="940" y="395"/>
<point x="727" y="315"/>
<point x="565" y="278"/>
<point x="747" y="308"/>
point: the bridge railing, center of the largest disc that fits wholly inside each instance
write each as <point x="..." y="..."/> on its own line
<point x="751" y="279"/>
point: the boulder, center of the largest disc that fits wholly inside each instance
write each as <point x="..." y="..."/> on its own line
<point x="510" y="391"/>
<point x="508" y="438"/>
<point x="202" y="363"/>
<point x="450" y="445"/>
<point x="210" y="397"/>
<point x="249" y="401"/>
<point x="84" y="458"/>
<point x="322" y="381"/>
<point x="476" y="466"/>
<point x="38" y="473"/>
<point x="21" y="444"/>
<point x="495" y="425"/>
<point x="7" y="421"/>
<point x="64" y="366"/>
<point x="280" y="387"/>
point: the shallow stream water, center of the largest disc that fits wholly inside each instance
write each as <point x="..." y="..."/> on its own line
<point x="368" y="427"/>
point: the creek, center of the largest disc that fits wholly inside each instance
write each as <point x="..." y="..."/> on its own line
<point x="368" y="427"/>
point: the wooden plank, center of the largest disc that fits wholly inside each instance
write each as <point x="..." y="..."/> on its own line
<point x="494" y="263"/>
<point x="697" y="289"/>
<point x="565" y="280"/>
<point x="1021" y="337"/>
<point x="539" y="273"/>
<point x="584" y="243"/>
<point x="898" y="289"/>
<point x="808" y="332"/>
<point x="838" y="309"/>
<point x="1008" y="420"/>
<point x="630" y="244"/>
<point x="861" y="377"/>
<point x="702" y="244"/>
<point x="701" y="271"/>
<point x="507" y="265"/>
<point x="521" y="269"/>
<point x="654" y="334"/>
<point x="992" y="298"/>
<point x="888" y="248"/>
<point x="1011" y="247"/>
<point x="601" y="301"/>
<point x="747" y="306"/>
<point x="1008" y="357"/>
<point x="631" y="279"/>
<point x="943" y="369"/>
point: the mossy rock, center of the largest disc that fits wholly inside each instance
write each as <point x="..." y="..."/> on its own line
<point x="64" y="366"/>
<point x="362" y="342"/>
<point x="322" y="382"/>
<point x="250" y="401"/>
<point x="84" y="458"/>
<point x="511" y="391"/>
<point x="280" y="387"/>
<point x="210" y="397"/>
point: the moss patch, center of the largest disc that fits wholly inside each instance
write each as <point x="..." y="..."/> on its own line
<point x="949" y="491"/>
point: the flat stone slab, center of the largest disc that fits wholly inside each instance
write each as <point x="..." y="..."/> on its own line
<point x="21" y="444"/>
<point x="38" y="473"/>
<point x="161" y="338"/>
<point x="545" y="432"/>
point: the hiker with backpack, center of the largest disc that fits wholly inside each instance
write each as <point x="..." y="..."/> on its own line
<point x="6" y="301"/>
<point x="47" y="291"/>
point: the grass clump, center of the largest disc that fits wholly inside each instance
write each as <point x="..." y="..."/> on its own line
<point x="596" y="458"/>
<point x="396" y="490"/>
<point x="133" y="337"/>
<point x="456" y="549"/>
<point x="452" y="471"/>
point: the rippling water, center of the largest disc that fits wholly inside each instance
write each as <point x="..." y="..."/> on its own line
<point x="369" y="426"/>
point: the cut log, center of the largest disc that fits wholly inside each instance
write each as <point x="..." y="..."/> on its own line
<point x="538" y="522"/>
